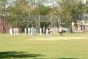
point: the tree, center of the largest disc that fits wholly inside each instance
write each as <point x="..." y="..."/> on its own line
<point x="41" y="10"/>
<point x="69" y="11"/>
<point x="18" y="13"/>
<point x="86" y="7"/>
<point x="3" y="14"/>
<point x="3" y="8"/>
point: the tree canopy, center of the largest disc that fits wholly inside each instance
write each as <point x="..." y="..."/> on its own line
<point x="66" y="10"/>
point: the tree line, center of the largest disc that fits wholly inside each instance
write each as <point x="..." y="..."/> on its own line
<point x="67" y="10"/>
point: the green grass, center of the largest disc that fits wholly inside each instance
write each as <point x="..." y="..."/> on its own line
<point x="68" y="46"/>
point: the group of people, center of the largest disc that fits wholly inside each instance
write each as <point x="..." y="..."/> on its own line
<point x="30" y="31"/>
<point x="14" y="31"/>
<point x="34" y="31"/>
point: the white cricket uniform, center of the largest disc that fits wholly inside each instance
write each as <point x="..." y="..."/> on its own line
<point x="25" y="30"/>
<point x="29" y="31"/>
<point x="47" y="31"/>
<point x="11" y="31"/>
<point x="40" y="31"/>
<point x="60" y="29"/>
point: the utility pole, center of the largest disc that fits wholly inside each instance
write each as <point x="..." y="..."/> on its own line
<point x="39" y="5"/>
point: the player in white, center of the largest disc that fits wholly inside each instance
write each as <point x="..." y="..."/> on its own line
<point x="40" y="31"/>
<point x="25" y="30"/>
<point x="47" y="31"/>
<point x="73" y="26"/>
<point x="17" y="31"/>
<point x="29" y="31"/>
<point x="35" y="31"/>
<point x="61" y="30"/>
<point x="11" y="31"/>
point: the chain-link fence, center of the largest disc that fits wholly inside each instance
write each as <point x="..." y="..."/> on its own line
<point x="41" y="21"/>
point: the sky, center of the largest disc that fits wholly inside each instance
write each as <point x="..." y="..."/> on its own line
<point x="46" y="3"/>
<point x="10" y="1"/>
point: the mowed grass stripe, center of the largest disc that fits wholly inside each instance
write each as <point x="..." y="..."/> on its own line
<point x="52" y="49"/>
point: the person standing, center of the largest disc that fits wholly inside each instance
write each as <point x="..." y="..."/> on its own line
<point x="11" y="31"/>
<point x="29" y="31"/>
<point x="25" y="30"/>
<point x="14" y="31"/>
<point x="32" y="30"/>
<point x="83" y="26"/>
<point x="17" y="31"/>
<point x="47" y="31"/>
<point x="61" y="30"/>
<point x="40" y="31"/>
<point x="72" y="27"/>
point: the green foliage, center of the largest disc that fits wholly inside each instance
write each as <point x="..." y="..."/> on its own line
<point x="3" y="8"/>
<point x="41" y="10"/>
<point x="67" y="10"/>
<point x="18" y="13"/>
<point x="70" y="10"/>
<point x="21" y="8"/>
<point x="86" y="7"/>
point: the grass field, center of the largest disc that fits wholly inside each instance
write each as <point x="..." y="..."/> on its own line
<point x="68" y="46"/>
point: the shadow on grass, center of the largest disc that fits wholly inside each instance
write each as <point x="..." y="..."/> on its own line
<point x="56" y="58"/>
<point x="13" y="54"/>
<point x="68" y="58"/>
